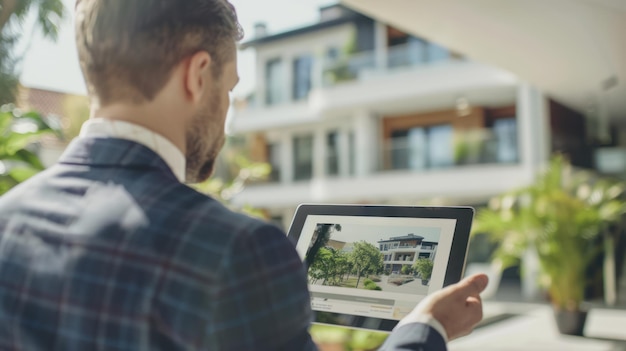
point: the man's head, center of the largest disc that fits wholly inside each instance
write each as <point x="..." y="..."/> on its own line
<point x="178" y="52"/>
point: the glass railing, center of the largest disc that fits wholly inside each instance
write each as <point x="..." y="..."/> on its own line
<point x="347" y="68"/>
<point x="350" y="67"/>
<point x="420" y="155"/>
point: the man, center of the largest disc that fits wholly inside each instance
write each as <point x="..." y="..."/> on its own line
<point x="109" y="250"/>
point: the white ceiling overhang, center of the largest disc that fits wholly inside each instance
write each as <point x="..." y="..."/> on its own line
<point x="574" y="50"/>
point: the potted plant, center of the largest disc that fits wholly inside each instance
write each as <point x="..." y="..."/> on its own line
<point x="561" y="217"/>
<point x="424" y="267"/>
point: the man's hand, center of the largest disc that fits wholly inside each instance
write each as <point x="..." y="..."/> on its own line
<point x="457" y="307"/>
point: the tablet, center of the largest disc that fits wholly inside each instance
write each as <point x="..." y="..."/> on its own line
<point x="369" y="266"/>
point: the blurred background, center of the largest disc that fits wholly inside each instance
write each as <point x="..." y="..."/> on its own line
<point x="515" y="107"/>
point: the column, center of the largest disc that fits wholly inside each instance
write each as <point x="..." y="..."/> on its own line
<point x="534" y="147"/>
<point x="286" y="158"/>
<point x="261" y="82"/>
<point x="380" y="45"/>
<point x="533" y="127"/>
<point x="289" y="78"/>
<point x="344" y="153"/>
<point x="319" y="154"/>
<point x="365" y="140"/>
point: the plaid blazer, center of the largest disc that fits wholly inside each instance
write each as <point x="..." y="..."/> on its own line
<point x="108" y="251"/>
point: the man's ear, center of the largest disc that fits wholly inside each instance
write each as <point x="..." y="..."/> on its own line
<point x="197" y="75"/>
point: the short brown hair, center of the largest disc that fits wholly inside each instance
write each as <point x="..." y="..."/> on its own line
<point x="128" y="48"/>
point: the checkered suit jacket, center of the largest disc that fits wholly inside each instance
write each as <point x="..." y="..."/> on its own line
<point x="108" y="251"/>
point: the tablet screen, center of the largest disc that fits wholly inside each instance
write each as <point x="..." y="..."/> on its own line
<point x="377" y="268"/>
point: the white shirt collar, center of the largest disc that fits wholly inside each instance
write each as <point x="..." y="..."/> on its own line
<point x="108" y="128"/>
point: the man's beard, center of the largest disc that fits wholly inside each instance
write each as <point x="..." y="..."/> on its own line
<point x="205" y="139"/>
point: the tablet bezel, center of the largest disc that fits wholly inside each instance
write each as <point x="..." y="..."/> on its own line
<point x="458" y="250"/>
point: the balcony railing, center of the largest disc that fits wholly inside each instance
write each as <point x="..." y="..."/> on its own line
<point x="350" y="67"/>
<point x="407" y="247"/>
<point x="405" y="154"/>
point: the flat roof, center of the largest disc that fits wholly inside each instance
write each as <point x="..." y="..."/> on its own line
<point x="405" y="237"/>
<point x="298" y="31"/>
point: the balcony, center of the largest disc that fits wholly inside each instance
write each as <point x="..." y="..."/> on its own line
<point x="459" y="184"/>
<point x="412" y="248"/>
<point x="359" y="65"/>
<point x="362" y="81"/>
<point x="399" y="262"/>
<point x="421" y="152"/>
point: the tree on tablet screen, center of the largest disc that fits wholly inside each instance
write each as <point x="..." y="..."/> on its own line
<point x="366" y="259"/>
<point x="320" y="239"/>
<point x="424" y="267"/>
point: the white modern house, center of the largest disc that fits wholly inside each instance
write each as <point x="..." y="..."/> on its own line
<point x="352" y="110"/>
<point x="405" y="250"/>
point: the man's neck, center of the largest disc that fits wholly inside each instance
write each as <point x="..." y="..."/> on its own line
<point x="150" y="116"/>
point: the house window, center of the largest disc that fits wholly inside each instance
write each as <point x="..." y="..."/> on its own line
<point x="332" y="149"/>
<point x="422" y="147"/>
<point x="332" y="54"/>
<point x="505" y="131"/>
<point x="302" y="67"/>
<point x="436" y="53"/>
<point x="303" y="157"/>
<point x="274" y="82"/>
<point x="273" y="158"/>
<point x="440" y="146"/>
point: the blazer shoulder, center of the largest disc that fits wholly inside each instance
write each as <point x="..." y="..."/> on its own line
<point x="209" y="212"/>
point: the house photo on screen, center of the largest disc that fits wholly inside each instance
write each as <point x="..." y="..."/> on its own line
<point x="381" y="258"/>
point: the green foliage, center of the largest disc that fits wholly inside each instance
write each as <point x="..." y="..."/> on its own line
<point x="370" y="285"/>
<point x="329" y="266"/>
<point x="335" y="267"/>
<point x="49" y="16"/>
<point x="8" y="79"/>
<point x="320" y="239"/>
<point x="559" y="217"/>
<point x="424" y="267"/>
<point x="341" y="338"/>
<point x="469" y="146"/>
<point x="366" y="259"/>
<point x="18" y="132"/>
<point x="406" y="269"/>
<point x="341" y="70"/>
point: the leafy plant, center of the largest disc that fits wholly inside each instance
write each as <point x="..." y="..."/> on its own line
<point x="320" y="239"/>
<point x="560" y="217"/>
<point x="406" y="269"/>
<point x="372" y="286"/>
<point x="18" y="132"/>
<point x="365" y="259"/>
<point x="424" y="267"/>
<point x="340" y="70"/>
<point x="49" y="16"/>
